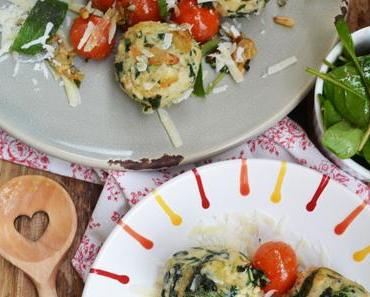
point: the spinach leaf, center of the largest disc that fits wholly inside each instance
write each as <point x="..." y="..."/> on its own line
<point x="342" y="139"/>
<point x="354" y="108"/>
<point x="346" y="39"/>
<point x="329" y="114"/>
<point x="198" y="86"/>
<point x="347" y="42"/>
<point x="44" y="12"/>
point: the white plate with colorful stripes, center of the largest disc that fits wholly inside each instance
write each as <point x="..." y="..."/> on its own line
<point x="320" y="210"/>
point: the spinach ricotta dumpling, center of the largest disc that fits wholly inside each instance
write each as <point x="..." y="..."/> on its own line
<point x="238" y="8"/>
<point x="205" y="272"/>
<point x="157" y="63"/>
<point x="324" y="282"/>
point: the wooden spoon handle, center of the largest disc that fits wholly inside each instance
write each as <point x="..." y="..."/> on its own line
<point x="47" y="290"/>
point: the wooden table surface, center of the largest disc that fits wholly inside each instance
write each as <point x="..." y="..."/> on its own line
<point x="15" y="283"/>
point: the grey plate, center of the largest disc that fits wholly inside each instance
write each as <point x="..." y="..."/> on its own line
<point x="107" y="125"/>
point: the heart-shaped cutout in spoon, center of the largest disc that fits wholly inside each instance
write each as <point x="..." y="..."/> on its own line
<point x="40" y="259"/>
<point x="32" y="228"/>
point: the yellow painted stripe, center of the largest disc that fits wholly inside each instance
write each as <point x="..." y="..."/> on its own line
<point x="276" y="194"/>
<point x="362" y="254"/>
<point x="174" y="217"/>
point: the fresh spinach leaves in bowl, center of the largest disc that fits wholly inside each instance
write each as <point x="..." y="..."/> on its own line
<point x="345" y="101"/>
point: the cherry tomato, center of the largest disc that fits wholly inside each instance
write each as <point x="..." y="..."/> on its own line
<point x="101" y="34"/>
<point x="279" y="263"/>
<point x="102" y="5"/>
<point x="140" y="11"/>
<point x="205" y="21"/>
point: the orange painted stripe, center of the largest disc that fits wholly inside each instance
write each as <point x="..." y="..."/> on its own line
<point x="276" y="194"/>
<point x="146" y="243"/>
<point x="341" y="227"/>
<point x="174" y="217"/>
<point x="244" y="183"/>
<point x="361" y="254"/>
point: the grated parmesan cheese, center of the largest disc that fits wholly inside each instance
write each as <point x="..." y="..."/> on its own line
<point x="72" y="92"/>
<point x="16" y="69"/>
<point x="4" y="57"/>
<point x="42" y="39"/>
<point x="220" y="89"/>
<point x="149" y="85"/>
<point x="11" y="17"/>
<point x="281" y="66"/>
<point x="246" y="233"/>
<point x="112" y="31"/>
<point x="170" y="127"/>
<point x="167" y="40"/>
<point x="89" y="29"/>
<point x="142" y="63"/>
<point x="171" y="3"/>
<point x="239" y="54"/>
<point x="45" y="70"/>
<point x="225" y="58"/>
<point x="184" y="96"/>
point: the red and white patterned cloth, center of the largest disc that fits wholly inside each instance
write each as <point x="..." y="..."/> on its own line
<point x="122" y="189"/>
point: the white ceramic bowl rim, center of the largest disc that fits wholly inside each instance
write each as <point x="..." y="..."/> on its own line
<point x="359" y="37"/>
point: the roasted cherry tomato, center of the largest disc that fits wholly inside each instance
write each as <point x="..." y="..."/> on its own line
<point x="102" y="5"/>
<point x="279" y="263"/>
<point x="140" y="11"/>
<point x="100" y="37"/>
<point x="205" y="22"/>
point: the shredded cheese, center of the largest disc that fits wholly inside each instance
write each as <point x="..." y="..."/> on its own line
<point x="171" y="3"/>
<point x="112" y="31"/>
<point x="42" y="39"/>
<point x="3" y="58"/>
<point x="45" y="70"/>
<point x="89" y="29"/>
<point x="281" y="65"/>
<point x="167" y="40"/>
<point x="220" y="89"/>
<point x="142" y="63"/>
<point x="170" y="128"/>
<point x="10" y="18"/>
<point x="239" y="54"/>
<point x="225" y="58"/>
<point x="149" y="85"/>
<point x="72" y="92"/>
<point x="16" y="69"/>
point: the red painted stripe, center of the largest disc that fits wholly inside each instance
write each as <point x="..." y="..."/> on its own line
<point x="244" y="183"/>
<point x="123" y="279"/>
<point x="205" y="201"/>
<point x="323" y="183"/>
<point x="146" y="243"/>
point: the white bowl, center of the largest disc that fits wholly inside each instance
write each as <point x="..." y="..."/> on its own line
<point x="361" y="39"/>
<point x="280" y="205"/>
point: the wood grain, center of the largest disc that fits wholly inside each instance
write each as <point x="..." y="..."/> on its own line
<point x="14" y="283"/>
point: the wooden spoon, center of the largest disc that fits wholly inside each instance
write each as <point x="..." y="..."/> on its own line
<point x="40" y="259"/>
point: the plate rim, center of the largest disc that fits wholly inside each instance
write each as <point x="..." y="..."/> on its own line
<point x="117" y="229"/>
